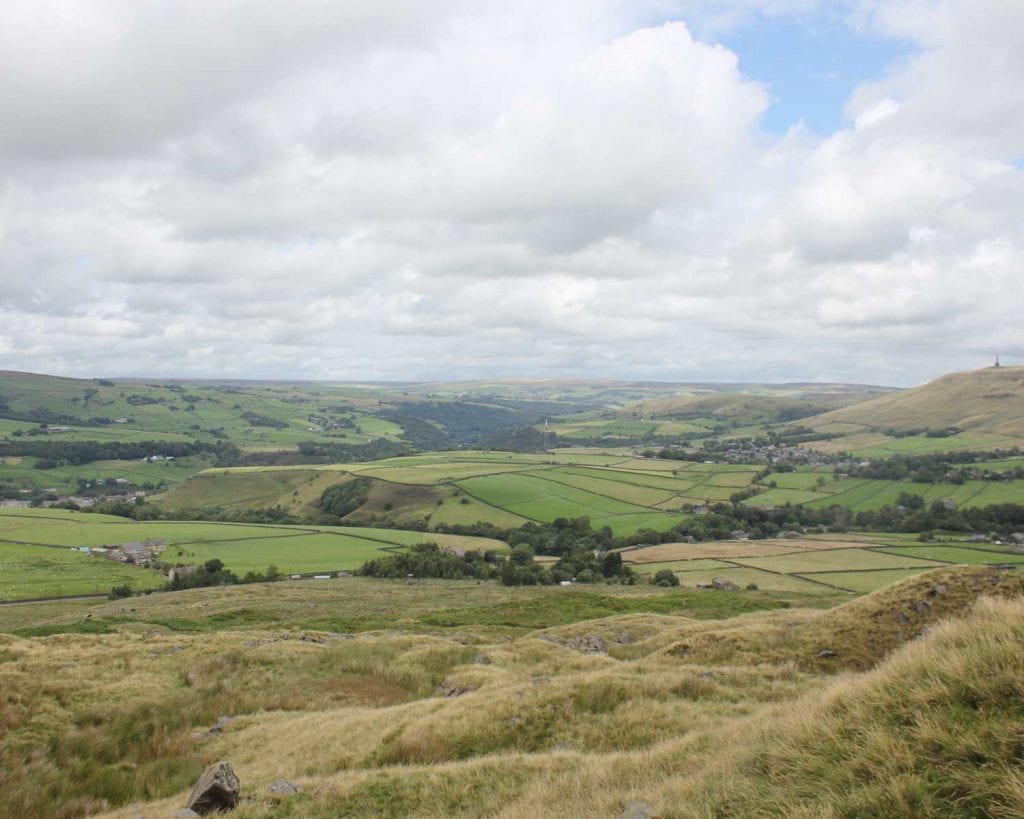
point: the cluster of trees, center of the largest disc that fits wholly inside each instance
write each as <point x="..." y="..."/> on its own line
<point x="83" y="452"/>
<point x="519" y="439"/>
<point x="954" y="467"/>
<point x="429" y="560"/>
<point x="256" y="420"/>
<point x="518" y="569"/>
<point x="211" y="573"/>
<point x="343" y="498"/>
<point x="316" y="452"/>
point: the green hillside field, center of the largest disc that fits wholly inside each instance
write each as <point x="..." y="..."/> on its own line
<point x="620" y="491"/>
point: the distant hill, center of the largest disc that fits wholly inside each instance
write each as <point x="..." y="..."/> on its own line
<point x="791" y="402"/>
<point x="989" y="400"/>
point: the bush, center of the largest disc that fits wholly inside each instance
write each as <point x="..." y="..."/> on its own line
<point x="665" y="577"/>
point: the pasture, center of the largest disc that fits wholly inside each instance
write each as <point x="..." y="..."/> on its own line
<point x="852" y="563"/>
<point x="28" y="572"/>
<point x="37" y="556"/>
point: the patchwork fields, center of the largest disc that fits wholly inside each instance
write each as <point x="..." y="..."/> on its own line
<point x="860" y="565"/>
<point x="614" y="489"/>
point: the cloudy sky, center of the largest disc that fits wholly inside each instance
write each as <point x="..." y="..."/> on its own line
<point x="395" y="189"/>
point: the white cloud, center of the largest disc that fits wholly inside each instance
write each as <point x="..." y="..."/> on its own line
<point x="455" y="189"/>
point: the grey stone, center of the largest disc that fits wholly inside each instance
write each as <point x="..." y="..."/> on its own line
<point x="902" y="617"/>
<point x="625" y="638"/>
<point x="827" y="653"/>
<point x="450" y="688"/>
<point x="937" y="589"/>
<point x="638" y="810"/>
<point x="588" y="644"/>
<point x="922" y="606"/>
<point x="481" y="659"/>
<point x="284" y="786"/>
<point x="216" y="790"/>
<point x="723" y="585"/>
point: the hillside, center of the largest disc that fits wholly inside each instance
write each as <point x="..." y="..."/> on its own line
<point x="980" y="401"/>
<point x="470" y="700"/>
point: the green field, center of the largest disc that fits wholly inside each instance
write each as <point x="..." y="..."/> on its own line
<point x="32" y="566"/>
<point x="958" y="554"/>
<point x="835" y="560"/>
<point x="863" y="582"/>
<point x="38" y="571"/>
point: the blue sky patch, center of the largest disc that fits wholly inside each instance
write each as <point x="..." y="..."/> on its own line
<point x="811" y="65"/>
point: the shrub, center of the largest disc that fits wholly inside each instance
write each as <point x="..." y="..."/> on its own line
<point x="665" y="577"/>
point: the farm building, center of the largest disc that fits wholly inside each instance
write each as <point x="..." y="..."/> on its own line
<point x="140" y="552"/>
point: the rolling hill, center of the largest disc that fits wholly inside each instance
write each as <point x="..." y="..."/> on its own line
<point x="979" y="401"/>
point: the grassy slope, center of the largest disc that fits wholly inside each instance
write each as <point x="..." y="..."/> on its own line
<point x="979" y="401"/>
<point x="747" y="721"/>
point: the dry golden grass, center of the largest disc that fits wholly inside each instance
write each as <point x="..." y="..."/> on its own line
<point x="748" y="721"/>
<point x="664" y="552"/>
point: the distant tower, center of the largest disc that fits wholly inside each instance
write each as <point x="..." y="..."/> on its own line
<point x="997" y="360"/>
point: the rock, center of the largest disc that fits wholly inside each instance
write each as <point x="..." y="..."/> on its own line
<point x="481" y="659"/>
<point x="284" y="786"/>
<point x="588" y="644"/>
<point x="216" y="790"/>
<point x="591" y="643"/>
<point x="902" y="617"/>
<point x="922" y="606"/>
<point x="638" y="810"/>
<point x="214" y="730"/>
<point x="723" y="585"/>
<point x="827" y="653"/>
<point x="625" y="639"/>
<point x="937" y="589"/>
<point x="450" y="688"/>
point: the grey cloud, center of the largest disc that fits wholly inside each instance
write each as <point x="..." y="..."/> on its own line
<point x="408" y="190"/>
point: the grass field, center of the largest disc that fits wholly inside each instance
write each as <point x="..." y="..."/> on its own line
<point x="859" y="563"/>
<point x="36" y="571"/>
<point x="31" y="566"/>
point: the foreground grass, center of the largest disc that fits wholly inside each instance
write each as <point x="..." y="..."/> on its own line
<point x="476" y="700"/>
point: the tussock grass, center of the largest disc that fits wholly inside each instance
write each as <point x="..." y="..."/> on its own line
<point x="517" y="723"/>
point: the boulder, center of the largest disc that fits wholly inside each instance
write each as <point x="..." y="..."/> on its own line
<point x="827" y="653"/>
<point x="284" y="786"/>
<point x="723" y="585"/>
<point x="922" y="606"/>
<point x="216" y="790"/>
<point x="625" y="638"/>
<point x="638" y="810"/>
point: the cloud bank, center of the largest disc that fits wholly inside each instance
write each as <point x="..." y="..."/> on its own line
<point x="458" y="189"/>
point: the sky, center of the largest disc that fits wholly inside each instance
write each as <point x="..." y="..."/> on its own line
<point x="677" y="190"/>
